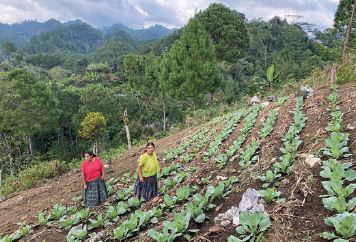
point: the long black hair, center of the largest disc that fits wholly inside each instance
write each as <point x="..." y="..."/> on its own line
<point x="148" y="144"/>
<point x="89" y="153"/>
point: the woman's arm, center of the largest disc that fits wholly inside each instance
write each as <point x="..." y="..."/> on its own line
<point x="139" y="173"/>
<point x="84" y="182"/>
<point x="82" y="169"/>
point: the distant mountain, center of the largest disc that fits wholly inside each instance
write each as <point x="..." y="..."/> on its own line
<point x="76" y="37"/>
<point x="154" y="32"/>
<point x="21" y="32"/>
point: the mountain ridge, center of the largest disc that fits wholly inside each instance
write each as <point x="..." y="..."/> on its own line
<point x="22" y="32"/>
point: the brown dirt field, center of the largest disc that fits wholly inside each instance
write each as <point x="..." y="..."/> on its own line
<point x="25" y="205"/>
<point x="252" y="135"/>
<point x="204" y="169"/>
<point x="305" y="213"/>
<point x="226" y="143"/>
<point x="301" y="218"/>
<point x="209" y="231"/>
<point x="270" y="146"/>
<point x="260" y="121"/>
<point x="314" y="133"/>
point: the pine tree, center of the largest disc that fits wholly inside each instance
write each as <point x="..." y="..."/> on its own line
<point x="227" y="30"/>
<point x="190" y="70"/>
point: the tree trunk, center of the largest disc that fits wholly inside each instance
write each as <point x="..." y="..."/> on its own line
<point x="95" y="147"/>
<point x="0" y="177"/>
<point x="194" y="104"/>
<point x="210" y="98"/>
<point x="127" y="130"/>
<point x="128" y="137"/>
<point x="164" y="112"/>
<point x="265" y="56"/>
<point x="61" y="138"/>
<point x="349" y="29"/>
<point x="71" y="139"/>
<point x="19" y="150"/>
<point x="7" y="145"/>
<point x="30" y="145"/>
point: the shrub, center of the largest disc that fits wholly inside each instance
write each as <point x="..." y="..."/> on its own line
<point x="347" y="72"/>
<point x="32" y="175"/>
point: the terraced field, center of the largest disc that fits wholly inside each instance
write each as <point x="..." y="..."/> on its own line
<point x="262" y="147"/>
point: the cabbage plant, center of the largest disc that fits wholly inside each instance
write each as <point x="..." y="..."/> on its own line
<point x="252" y="226"/>
<point x="344" y="225"/>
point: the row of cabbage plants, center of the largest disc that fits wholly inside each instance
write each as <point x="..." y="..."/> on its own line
<point x="339" y="177"/>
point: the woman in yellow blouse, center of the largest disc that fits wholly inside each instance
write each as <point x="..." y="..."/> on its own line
<point x="146" y="186"/>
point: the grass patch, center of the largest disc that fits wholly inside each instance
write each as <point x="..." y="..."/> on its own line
<point x="32" y="175"/>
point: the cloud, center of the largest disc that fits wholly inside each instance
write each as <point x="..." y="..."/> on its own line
<point x="320" y="13"/>
<point x="172" y="13"/>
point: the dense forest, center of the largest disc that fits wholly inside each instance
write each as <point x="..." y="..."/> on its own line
<point x="65" y="86"/>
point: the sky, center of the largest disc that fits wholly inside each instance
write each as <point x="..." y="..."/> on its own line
<point x="171" y="13"/>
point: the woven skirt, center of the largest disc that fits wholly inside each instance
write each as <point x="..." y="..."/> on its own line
<point x="147" y="189"/>
<point x="95" y="193"/>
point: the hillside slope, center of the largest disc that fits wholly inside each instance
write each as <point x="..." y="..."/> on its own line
<point x="26" y="204"/>
<point x="300" y="218"/>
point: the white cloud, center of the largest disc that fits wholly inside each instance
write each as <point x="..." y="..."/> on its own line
<point x="12" y="14"/>
<point x="172" y="13"/>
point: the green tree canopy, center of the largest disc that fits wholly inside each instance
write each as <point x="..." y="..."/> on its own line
<point x="93" y="127"/>
<point x="190" y="70"/>
<point x="8" y="48"/>
<point x="28" y="106"/>
<point x="343" y="14"/>
<point x="97" y="98"/>
<point x="227" y="29"/>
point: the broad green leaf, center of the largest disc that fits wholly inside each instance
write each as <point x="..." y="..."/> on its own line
<point x="232" y="238"/>
<point x="335" y="203"/>
<point x="328" y="235"/>
<point x="344" y="224"/>
<point x="200" y="218"/>
<point x="6" y="238"/>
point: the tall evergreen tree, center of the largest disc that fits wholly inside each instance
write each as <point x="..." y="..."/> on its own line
<point x="226" y="28"/>
<point x="8" y="48"/>
<point x="345" y="22"/>
<point x="190" y="70"/>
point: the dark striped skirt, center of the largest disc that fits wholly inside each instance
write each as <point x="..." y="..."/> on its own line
<point x="147" y="189"/>
<point x="95" y="193"/>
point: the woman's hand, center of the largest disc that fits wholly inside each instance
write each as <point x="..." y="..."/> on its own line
<point x="141" y="178"/>
<point x="85" y="186"/>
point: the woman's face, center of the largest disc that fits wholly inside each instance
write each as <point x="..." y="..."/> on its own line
<point x="87" y="157"/>
<point x="150" y="149"/>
